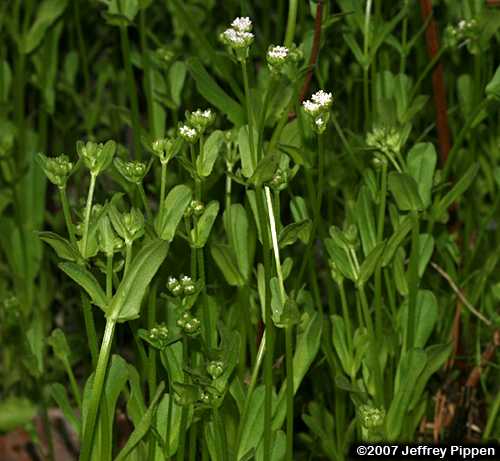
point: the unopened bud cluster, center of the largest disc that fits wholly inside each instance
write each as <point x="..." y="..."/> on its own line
<point x="158" y="336"/>
<point x="133" y="171"/>
<point x="387" y="140"/>
<point x="96" y="156"/>
<point x="182" y="287"/>
<point x="215" y="368"/>
<point x="318" y="107"/>
<point x="165" y="149"/>
<point x="371" y="417"/>
<point x="195" y="208"/>
<point x="189" y="324"/>
<point x="57" y="169"/>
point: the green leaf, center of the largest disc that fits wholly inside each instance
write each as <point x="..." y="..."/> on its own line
<point x="247" y="162"/>
<point x="426" y="315"/>
<point x="426" y="248"/>
<point x="397" y="239"/>
<point x="365" y="220"/>
<point x="225" y="261"/>
<point x="88" y="282"/>
<point x="371" y="262"/>
<point x="298" y="230"/>
<point x="59" y="344"/>
<point x="421" y="164"/>
<point x="211" y="148"/>
<point x="493" y="87"/>
<point x="340" y="258"/>
<point x="265" y="169"/>
<point x="339" y="338"/>
<point x="201" y="231"/>
<point x="61" y="246"/>
<point x="241" y="236"/>
<point x="214" y="94"/>
<point x="173" y="209"/>
<point x="410" y="366"/>
<point x="16" y="412"/>
<point x="405" y="192"/>
<point x="143" y="427"/>
<point x="253" y="425"/>
<point x="47" y="14"/>
<point x="457" y="190"/>
<point x="177" y="77"/>
<point x="126" y="303"/>
<point x="168" y="408"/>
<point x="58" y="393"/>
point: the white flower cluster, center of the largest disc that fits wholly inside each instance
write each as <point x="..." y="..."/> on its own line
<point x="239" y="35"/>
<point x="318" y="108"/>
<point x="277" y="54"/>
<point x="188" y="134"/>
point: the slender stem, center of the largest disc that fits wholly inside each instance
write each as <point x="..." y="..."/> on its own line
<point x="412" y="282"/>
<point x="67" y="215"/>
<point x="366" y="67"/>
<point x="163" y="183"/>
<point x="88" y="317"/>
<point x="132" y="90"/>
<point x="96" y="393"/>
<point x="291" y="23"/>
<point x="83" y="50"/>
<point x="128" y="257"/>
<point x="222" y="433"/>
<point x="249" y="114"/>
<point x="426" y="71"/>
<point x="380" y="236"/>
<point x="146" y="65"/>
<point x="493" y="414"/>
<point x="88" y="208"/>
<point x="109" y="276"/>
<point x="144" y="200"/>
<point x="73" y="385"/>
<point x="345" y="313"/>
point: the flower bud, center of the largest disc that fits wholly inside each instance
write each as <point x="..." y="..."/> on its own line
<point x="371" y="417"/>
<point x="133" y="171"/>
<point x="215" y="368"/>
<point x="96" y="157"/>
<point x="189" y="134"/>
<point x="188" y="286"/>
<point x="57" y="169"/>
<point x="201" y="119"/>
<point x="174" y="286"/>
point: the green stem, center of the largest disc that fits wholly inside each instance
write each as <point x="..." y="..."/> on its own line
<point x="88" y="209"/>
<point x="222" y="433"/>
<point x="425" y="72"/>
<point x="109" y="276"/>
<point x="74" y="386"/>
<point x="347" y="316"/>
<point x="380" y="236"/>
<point x="83" y="50"/>
<point x="412" y="283"/>
<point x="132" y="91"/>
<point x="144" y="201"/>
<point x="163" y="183"/>
<point x="96" y="392"/>
<point x="88" y="317"/>
<point x="146" y="64"/>
<point x="291" y="23"/>
<point x="253" y="152"/>
<point x="67" y="215"/>
<point x="366" y="66"/>
<point x="128" y="257"/>
<point x="493" y="414"/>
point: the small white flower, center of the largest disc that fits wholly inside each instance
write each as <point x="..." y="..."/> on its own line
<point x="188" y="133"/>
<point x="186" y="279"/>
<point x="311" y="108"/>
<point x="277" y="53"/>
<point x="243" y="24"/>
<point x="323" y="99"/>
<point x="237" y="39"/>
<point x="319" y="121"/>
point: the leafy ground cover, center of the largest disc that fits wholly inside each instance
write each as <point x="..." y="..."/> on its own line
<point x="231" y="231"/>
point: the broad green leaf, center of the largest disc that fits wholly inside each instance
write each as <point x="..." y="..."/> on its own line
<point x="173" y="209"/>
<point x="339" y="338"/>
<point x="214" y="94"/>
<point x="410" y="367"/>
<point x="16" y="412"/>
<point x="88" y="282"/>
<point x="143" y="427"/>
<point x="457" y="190"/>
<point x="248" y="164"/>
<point x="426" y="248"/>
<point x="211" y="148"/>
<point x="57" y="340"/>
<point x="224" y="259"/>
<point x="61" y="246"/>
<point x="421" y="164"/>
<point x="253" y="426"/>
<point x="365" y="220"/>
<point x="59" y="394"/>
<point x="265" y="169"/>
<point x="396" y="239"/>
<point x="278" y="450"/>
<point x="405" y="192"/>
<point x="307" y="346"/>
<point x="46" y="15"/>
<point x="371" y="262"/>
<point x="338" y="255"/>
<point x="241" y="236"/>
<point x="298" y="230"/>
<point x="126" y="303"/>
<point x="168" y="426"/>
<point x="177" y="76"/>
<point x="493" y="87"/>
<point x="426" y="315"/>
<point x="201" y="231"/>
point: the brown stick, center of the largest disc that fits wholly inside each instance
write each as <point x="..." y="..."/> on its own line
<point x="486" y="357"/>
<point x="314" y="51"/>
<point x="439" y="90"/>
